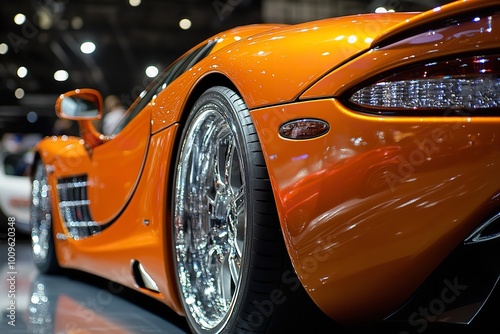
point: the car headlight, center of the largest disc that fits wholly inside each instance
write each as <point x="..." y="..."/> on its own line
<point x="469" y="85"/>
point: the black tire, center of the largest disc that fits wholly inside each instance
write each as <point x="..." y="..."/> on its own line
<point x="259" y="296"/>
<point x="41" y="230"/>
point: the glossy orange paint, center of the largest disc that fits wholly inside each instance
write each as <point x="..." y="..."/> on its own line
<point x="109" y="254"/>
<point x="64" y="154"/>
<point x="440" y="43"/>
<point x="364" y="200"/>
<point x="382" y="183"/>
<point x="168" y="106"/>
<point x="116" y="168"/>
<point x="275" y="67"/>
<point x="272" y="66"/>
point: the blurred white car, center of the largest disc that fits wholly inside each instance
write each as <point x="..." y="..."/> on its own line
<point x="15" y="186"/>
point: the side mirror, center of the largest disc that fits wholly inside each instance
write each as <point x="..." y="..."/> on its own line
<point x="80" y="104"/>
<point x="83" y="105"/>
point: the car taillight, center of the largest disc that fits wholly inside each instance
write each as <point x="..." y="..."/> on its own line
<point x="469" y="85"/>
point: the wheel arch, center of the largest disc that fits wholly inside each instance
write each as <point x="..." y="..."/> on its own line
<point x="205" y="83"/>
<point x="208" y="81"/>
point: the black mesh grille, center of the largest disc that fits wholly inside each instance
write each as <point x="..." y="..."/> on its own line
<point x="74" y="207"/>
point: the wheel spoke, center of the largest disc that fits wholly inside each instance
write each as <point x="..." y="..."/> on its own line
<point x="224" y="137"/>
<point x="234" y="268"/>
<point x="225" y="281"/>
<point x="229" y="163"/>
<point x="238" y="200"/>
<point x="237" y="219"/>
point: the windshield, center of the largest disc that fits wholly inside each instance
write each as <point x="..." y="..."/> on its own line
<point x="172" y="72"/>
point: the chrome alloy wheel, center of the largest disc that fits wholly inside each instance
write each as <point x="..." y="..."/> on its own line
<point x="210" y="219"/>
<point x="41" y="216"/>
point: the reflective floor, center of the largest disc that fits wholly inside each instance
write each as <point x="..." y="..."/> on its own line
<point x="77" y="303"/>
<point x="81" y="303"/>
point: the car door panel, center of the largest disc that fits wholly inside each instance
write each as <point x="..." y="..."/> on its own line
<point x="116" y="167"/>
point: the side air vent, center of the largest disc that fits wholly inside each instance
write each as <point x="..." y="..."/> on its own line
<point x="142" y="277"/>
<point x="74" y="207"/>
<point x="488" y="231"/>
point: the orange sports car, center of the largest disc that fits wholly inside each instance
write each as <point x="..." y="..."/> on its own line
<point x="354" y="158"/>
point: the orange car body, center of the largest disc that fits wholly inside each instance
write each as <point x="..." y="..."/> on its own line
<point x="367" y="210"/>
